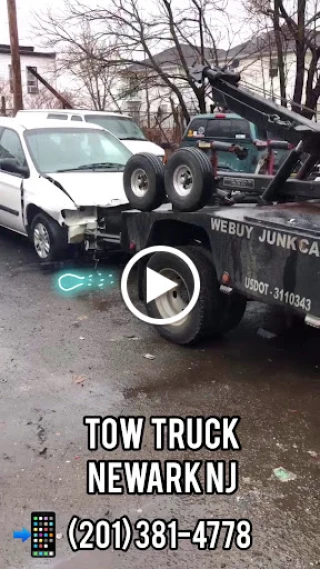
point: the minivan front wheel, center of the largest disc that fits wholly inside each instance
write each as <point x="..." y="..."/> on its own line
<point x="48" y="238"/>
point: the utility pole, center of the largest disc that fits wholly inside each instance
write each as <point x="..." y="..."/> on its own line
<point x="15" y="56"/>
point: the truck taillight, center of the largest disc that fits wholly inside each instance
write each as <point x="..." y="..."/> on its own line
<point x="225" y="279"/>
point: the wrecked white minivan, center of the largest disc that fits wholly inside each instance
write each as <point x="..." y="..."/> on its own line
<point x="54" y="177"/>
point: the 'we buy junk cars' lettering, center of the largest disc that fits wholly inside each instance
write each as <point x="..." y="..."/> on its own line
<point x="268" y="236"/>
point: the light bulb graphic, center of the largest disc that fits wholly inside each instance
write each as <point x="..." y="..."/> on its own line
<point x="73" y="281"/>
<point x="73" y="278"/>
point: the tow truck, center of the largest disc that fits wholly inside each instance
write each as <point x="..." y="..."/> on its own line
<point x="251" y="237"/>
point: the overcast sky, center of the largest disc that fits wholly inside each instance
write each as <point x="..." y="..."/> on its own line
<point x="26" y="8"/>
<point x="24" y="11"/>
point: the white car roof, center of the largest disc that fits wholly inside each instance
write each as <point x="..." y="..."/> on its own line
<point x="7" y="121"/>
<point x="22" y="123"/>
<point x="77" y="112"/>
<point x="52" y="123"/>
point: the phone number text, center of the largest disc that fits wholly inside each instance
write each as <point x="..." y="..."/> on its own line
<point x="157" y="534"/>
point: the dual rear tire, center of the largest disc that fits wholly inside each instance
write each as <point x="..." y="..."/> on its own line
<point x="187" y="180"/>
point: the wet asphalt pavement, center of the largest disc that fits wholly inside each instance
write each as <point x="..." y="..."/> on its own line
<point x="64" y="358"/>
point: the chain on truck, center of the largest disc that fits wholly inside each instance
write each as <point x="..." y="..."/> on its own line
<point x="251" y="237"/>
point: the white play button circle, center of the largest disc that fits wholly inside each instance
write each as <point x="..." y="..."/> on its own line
<point x="158" y="285"/>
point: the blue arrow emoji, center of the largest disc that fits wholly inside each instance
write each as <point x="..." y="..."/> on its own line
<point x="24" y="534"/>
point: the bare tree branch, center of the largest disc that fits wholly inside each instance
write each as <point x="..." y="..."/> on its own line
<point x="119" y="39"/>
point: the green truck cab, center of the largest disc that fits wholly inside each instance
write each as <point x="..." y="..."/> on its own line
<point x="226" y="127"/>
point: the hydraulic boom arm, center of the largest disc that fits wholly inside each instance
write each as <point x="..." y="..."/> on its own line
<point x="279" y="121"/>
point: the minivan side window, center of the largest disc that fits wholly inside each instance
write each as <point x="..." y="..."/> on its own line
<point x="10" y="146"/>
<point x="58" y="116"/>
<point x="76" y="118"/>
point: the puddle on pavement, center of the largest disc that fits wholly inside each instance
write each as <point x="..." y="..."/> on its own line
<point x="101" y="303"/>
<point x="106" y="302"/>
<point x="237" y="361"/>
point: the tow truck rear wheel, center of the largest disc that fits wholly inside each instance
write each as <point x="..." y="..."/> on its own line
<point x="143" y="181"/>
<point x="188" y="179"/>
<point x="214" y="313"/>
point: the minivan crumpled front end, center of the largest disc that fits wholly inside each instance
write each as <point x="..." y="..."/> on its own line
<point x="107" y="234"/>
<point x="79" y="223"/>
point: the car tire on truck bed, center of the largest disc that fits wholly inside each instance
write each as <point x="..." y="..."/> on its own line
<point x="143" y="181"/>
<point x="189" y="179"/>
<point x="214" y="313"/>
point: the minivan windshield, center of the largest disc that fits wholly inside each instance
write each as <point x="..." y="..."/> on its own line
<point x="69" y="149"/>
<point x="122" y="127"/>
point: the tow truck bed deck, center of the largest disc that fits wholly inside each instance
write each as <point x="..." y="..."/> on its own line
<point x="271" y="253"/>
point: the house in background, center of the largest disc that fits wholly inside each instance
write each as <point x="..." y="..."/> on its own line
<point x="33" y="93"/>
<point x="139" y="91"/>
<point x="144" y="95"/>
<point x="257" y="60"/>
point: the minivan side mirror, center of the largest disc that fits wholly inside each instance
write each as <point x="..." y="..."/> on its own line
<point x="12" y="166"/>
